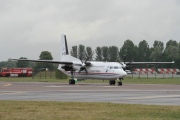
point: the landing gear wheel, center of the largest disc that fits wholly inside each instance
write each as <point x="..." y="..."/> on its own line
<point x="112" y="82"/>
<point x="119" y="83"/>
<point x="71" y="81"/>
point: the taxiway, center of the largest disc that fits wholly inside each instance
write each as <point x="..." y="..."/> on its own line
<point x="128" y="93"/>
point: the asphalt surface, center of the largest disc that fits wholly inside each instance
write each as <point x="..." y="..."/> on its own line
<point x="128" y="93"/>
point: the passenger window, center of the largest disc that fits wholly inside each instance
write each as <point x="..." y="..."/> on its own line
<point x="111" y="67"/>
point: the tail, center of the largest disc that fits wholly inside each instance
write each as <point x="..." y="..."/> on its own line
<point x="64" y="54"/>
<point x="63" y="48"/>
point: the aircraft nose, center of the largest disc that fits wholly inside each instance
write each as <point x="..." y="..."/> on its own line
<point x="124" y="73"/>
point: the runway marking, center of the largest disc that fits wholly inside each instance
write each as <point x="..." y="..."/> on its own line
<point x="6" y="84"/>
<point x="9" y="92"/>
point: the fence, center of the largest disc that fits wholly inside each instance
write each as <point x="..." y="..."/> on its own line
<point x="44" y="74"/>
<point x="155" y="73"/>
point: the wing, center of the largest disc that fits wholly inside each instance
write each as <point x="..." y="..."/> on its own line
<point x="140" y="63"/>
<point x="46" y="61"/>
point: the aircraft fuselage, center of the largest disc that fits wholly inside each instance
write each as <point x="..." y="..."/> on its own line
<point x="98" y="70"/>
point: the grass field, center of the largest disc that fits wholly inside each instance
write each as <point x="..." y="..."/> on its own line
<point x="34" y="110"/>
<point x="127" y="80"/>
<point x="51" y="110"/>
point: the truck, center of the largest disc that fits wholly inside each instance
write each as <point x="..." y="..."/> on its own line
<point x="16" y="72"/>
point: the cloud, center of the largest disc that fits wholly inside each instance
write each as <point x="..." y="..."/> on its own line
<point x="29" y="27"/>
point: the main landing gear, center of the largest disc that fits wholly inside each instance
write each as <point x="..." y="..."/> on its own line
<point x="113" y="82"/>
<point x="72" y="81"/>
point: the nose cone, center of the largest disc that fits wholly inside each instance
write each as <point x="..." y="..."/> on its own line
<point x="123" y="73"/>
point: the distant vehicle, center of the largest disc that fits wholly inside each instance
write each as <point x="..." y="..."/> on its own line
<point x="178" y="73"/>
<point x="16" y="72"/>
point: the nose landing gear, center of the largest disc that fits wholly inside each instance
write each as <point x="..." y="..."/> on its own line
<point x="120" y="82"/>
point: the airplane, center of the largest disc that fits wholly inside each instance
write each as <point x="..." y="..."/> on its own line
<point x="76" y="69"/>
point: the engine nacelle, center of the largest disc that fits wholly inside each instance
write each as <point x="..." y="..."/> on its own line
<point x="67" y="68"/>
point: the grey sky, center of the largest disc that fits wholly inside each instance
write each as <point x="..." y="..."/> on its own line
<point x="28" y="27"/>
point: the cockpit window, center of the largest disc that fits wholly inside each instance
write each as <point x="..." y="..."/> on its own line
<point x="116" y="67"/>
<point x="120" y="67"/>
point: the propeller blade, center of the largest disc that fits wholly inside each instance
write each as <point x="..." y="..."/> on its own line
<point x="84" y="64"/>
<point x="83" y="68"/>
<point x="86" y="70"/>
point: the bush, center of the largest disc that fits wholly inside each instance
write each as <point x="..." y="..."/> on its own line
<point x="60" y="75"/>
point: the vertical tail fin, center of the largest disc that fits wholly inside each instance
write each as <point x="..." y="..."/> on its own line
<point x="63" y="48"/>
<point x="64" y="54"/>
<point x="67" y="53"/>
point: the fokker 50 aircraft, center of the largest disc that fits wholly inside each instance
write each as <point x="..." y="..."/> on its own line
<point x="77" y="69"/>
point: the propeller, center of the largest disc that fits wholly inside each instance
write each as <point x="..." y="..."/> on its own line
<point x="124" y="64"/>
<point x="85" y="63"/>
<point x="83" y="68"/>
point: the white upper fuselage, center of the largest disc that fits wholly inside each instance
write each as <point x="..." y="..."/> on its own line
<point x="98" y="70"/>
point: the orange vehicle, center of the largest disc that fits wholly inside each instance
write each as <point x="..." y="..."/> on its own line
<point x="16" y="72"/>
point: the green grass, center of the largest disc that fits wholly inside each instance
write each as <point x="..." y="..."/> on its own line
<point x="127" y="80"/>
<point x="29" y="79"/>
<point x="46" y="74"/>
<point x="152" y="81"/>
<point x="39" y="110"/>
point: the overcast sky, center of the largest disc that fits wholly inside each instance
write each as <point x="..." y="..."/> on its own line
<point x="28" y="27"/>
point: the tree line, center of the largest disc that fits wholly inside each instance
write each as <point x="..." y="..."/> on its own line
<point x="44" y="55"/>
<point x="128" y="52"/>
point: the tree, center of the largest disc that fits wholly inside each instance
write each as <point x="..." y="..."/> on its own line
<point x="105" y="53"/>
<point x="158" y="44"/>
<point x="172" y="50"/>
<point x="171" y="54"/>
<point x="74" y="51"/>
<point x="143" y="51"/>
<point x="129" y="50"/>
<point x="171" y="43"/>
<point x="21" y="64"/>
<point x="45" y="55"/>
<point x="113" y="53"/>
<point x="157" y="51"/>
<point x="89" y="53"/>
<point x="7" y="64"/>
<point x="156" y="54"/>
<point x="81" y="52"/>
<point x="98" y="52"/>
